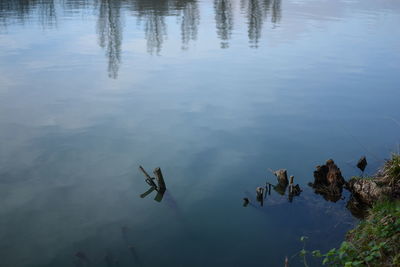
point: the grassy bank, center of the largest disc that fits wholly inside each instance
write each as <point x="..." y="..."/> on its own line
<point x="375" y="241"/>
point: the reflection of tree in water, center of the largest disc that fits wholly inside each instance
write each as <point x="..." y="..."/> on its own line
<point x="152" y="13"/>
<point x="224" y="20"/>
<point x="22" y="10"/>
<point x="257" y="11"/>
<point x="47" y="13"/>
<point x="190" y="19"/>
<point x="76" y="6"/>
<point x="109" y="28"/>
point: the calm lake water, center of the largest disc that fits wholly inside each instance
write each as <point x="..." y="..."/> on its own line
<point x="215" y="93"/>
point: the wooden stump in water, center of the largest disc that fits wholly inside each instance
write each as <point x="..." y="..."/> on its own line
<point x="291" y="184"/>
<point x="246" y="202"/>
<point x="159" y="196"/>
<point x="148" y="179"/>
<point x="260" y="194"/>
<point x="328" y="174"/>
<point x="328" y="181"/>
<point x="362" y="163"/>
<point x="281" y="176"/>
<point x="160" y="180"/>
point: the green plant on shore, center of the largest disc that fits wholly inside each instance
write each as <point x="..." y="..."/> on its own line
<point x="374" y="242"/>
<point x="391" y="169"/>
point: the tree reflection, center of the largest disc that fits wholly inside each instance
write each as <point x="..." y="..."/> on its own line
<point x="22" y="10"/>
<point x="47" y="13"/>
<point x="190" y="19"/>
<point x="152" y="14"/>
<point x="224" y="20"/>
<point x="257" y="12"/>
<point x="109" y="29"/>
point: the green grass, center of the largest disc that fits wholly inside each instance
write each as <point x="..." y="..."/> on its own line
<point x="374" y="242"/>
<point x="391" y="170"/>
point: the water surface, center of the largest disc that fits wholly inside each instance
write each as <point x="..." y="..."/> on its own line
<point x="213" y="92"/>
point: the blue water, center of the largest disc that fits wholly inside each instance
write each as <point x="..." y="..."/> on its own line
<point x="215" y="93"/>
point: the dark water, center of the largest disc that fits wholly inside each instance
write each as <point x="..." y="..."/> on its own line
<point x="213" y="92"/>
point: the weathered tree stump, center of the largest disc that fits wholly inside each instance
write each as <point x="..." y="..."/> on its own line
<point x="328" y="174"/>
<point x="159" y="197"/>
<point x="281" y="176"/>
<point x="291" y="184"/>
<point x="294" y="190"/>
<point x="260" y="194"/>
<point x="362" y="163"/>
<point x="328" y="181"/>
<point x="160" y="180"/>
<point x="246" y="202"/>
